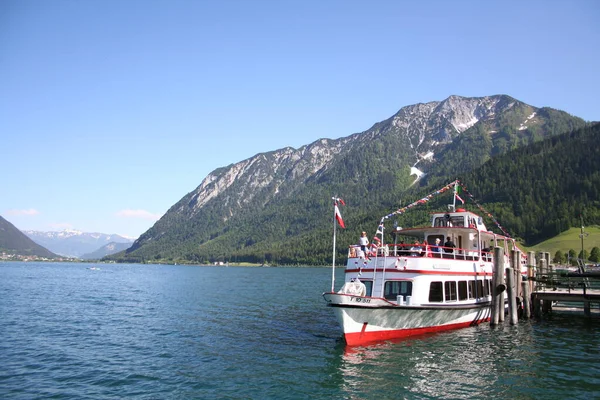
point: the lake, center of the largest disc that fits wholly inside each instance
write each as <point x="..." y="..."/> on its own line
<point x="199" y="332"/>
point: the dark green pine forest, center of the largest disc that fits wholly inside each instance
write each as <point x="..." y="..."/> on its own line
<point x="536" y="187"/>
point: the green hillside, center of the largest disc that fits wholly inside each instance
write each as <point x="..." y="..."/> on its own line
<point x="13" y="241"/>
<point x="570" y="240"/>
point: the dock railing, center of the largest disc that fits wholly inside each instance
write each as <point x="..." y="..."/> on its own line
<point x="569" y="281"/>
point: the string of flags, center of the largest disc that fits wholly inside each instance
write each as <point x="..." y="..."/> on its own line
<point x="483" y="210"/>
<point x="459" y="186"/>
<point x="421" y="201"/>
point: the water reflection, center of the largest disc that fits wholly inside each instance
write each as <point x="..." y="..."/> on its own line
<point x="531" y="360"/>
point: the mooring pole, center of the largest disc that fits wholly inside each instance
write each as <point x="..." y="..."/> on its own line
<point x="526" y="299"/>
<point x="498" y="286"/>
<point x="512" y="295"/>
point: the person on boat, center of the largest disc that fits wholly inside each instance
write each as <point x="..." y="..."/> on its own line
<point x="416" y="249"/>
<point x="449" y="245"/>
<point x="436" y="249"/>
<point x="363" y="242"/>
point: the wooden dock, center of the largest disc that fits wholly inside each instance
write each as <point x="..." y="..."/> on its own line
<point x="544" y="287"/>
<point x="576" y="288"/>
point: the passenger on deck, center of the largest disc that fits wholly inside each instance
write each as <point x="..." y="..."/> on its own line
<point x="416" y="249"/>
<point x="363" y="242"/>
<point x="436" y="248"/>
<point x="449" y="245"/>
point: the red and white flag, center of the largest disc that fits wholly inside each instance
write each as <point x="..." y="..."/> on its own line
<point x="338" y="216"/>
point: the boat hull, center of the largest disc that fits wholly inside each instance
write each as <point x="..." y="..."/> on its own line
<point x="364" y="320"/>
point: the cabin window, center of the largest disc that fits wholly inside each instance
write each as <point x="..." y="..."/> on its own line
<point x="462" y="290"/>
<point x="472" y="294"/>
<point x="457" y="221"/>
<point x="436" y="293"/>
<point x="480" y="288"/>
<point x="450" y="291"/>
<point x="393" y="289"/>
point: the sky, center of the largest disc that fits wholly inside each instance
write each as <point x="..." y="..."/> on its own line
<point x="111" y="111"/>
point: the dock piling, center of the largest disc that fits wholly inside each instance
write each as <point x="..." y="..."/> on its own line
<point x="512" y="296"/>
<point x="498" y="287"/>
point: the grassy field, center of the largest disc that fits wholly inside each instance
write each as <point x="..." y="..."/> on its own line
<point x="570" y="240"/>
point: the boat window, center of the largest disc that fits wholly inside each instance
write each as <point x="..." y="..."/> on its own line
<point x="450" y="290"/>
<point x="472" y="294"/>
<point x="436" y="294"/>
<point x="462" y="290"/>
<point x="369" y="286"/>
<point x="480" y="288"/>
<point x="457" y="220"/>
<point x="393" y="289"/>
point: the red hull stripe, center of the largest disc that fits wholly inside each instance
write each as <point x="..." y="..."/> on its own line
<point x="423" y="272"/>
<point x="359" y="338"/>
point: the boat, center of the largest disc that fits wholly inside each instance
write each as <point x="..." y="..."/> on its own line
<point x="394" y="290"/>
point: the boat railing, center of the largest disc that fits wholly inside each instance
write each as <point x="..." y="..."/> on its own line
<point x="426" y="251"/>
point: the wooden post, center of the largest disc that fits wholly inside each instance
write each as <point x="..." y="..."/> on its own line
<point x="546" y="306"/>
<point x="498" y="286"/>
<point x="587" y="310"/>
<point x="512" y="296"/>
<point x="531" y="273"/>
<point x="537" y="306"/>
<point x="526" y="300"/>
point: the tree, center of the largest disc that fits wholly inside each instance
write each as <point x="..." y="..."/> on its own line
<point x="583" y="254"/>
<point x="559" y="257"/>
<point x="573" y="257"/>
<point x="595" y="254"/>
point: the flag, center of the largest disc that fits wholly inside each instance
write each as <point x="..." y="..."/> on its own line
<point x="380" y="229"/>
<point x="457" y="196"/>
<point x="338" y="216"/>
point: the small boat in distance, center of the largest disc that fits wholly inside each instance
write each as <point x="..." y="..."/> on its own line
<point x="439" y="281"/>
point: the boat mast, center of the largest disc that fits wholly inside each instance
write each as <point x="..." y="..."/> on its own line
<point x="335" y="199"/>
<point x="453" y="205"/>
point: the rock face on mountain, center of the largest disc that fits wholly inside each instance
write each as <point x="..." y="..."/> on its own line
<point x="225" y="211"/>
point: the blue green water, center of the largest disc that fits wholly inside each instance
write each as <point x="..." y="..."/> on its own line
<point x="182" y="332"/>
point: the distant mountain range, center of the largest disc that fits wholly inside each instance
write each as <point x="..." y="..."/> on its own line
<point x="13" y="241"/>
<point x="72" y="243"/>
<point x="276" y="206"/>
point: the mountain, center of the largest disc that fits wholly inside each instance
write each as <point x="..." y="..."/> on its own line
<point x="73" y="243"/>
<point x="276" y="206"/>
<point x="106" y="250"/>
<point x="13" y="241"/>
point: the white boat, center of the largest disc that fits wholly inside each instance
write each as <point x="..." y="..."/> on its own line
<point x="396" y="290"/>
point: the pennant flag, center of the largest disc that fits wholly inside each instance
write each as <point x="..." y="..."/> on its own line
<point x="457" y="196"/>
<point x="338" y="216"/>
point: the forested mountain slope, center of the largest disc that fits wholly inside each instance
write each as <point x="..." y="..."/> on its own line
<point x="13" y="241"/>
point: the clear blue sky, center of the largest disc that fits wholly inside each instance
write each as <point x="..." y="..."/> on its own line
<point x="111" y="111"/>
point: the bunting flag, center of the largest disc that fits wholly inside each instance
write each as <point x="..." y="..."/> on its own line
<point x="483" y="210"/>
<point x="457" y="196"/>
<point x="459" y="187"/>
<point x="338" y="216"/>
<point x="423" y="200"/>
